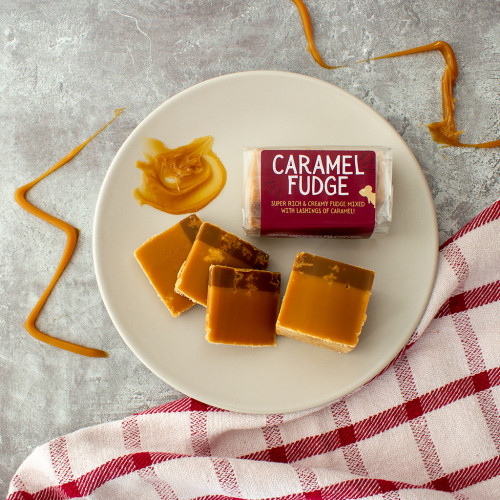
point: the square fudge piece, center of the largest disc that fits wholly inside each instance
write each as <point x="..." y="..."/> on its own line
<point x="325" y="302"/>
<point x="162" y="256"/>
<point x="214" y="246"/>
<point x="242" y="306"/>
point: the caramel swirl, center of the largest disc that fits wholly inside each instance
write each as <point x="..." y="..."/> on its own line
<point x="71" y="239"/>
<point x="443" y="132"/>
<point x="181" y="180"/>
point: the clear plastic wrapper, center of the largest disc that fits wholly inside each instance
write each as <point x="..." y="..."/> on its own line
<point x="343" y="192"/>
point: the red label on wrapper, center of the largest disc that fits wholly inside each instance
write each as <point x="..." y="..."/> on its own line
<point x="318" y="192"/>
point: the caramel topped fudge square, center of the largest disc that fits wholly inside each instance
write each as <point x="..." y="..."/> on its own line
<point x="242" y="306"/>
<point x="213" y="246"/>
<point x="162" y="256"/>
<point x="325" y="302"/>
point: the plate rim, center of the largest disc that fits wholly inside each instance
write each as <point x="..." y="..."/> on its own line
<point x="196" y="393"/>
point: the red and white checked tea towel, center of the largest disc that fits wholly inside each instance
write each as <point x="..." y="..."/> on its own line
<point x="428" y="427"/>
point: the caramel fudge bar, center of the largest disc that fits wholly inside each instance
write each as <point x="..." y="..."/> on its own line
<point x="213" y="246"/>
<point x="162" y="256"/>
<point x="242" y="306"/>
<point x="339" y="192"/>
<point x="325" y="302"/>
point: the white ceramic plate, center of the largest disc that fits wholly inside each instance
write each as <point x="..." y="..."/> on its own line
<point x="264" y="108"/>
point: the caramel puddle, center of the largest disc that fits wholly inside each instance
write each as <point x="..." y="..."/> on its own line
<point x="181" y="180"/>
<point x="71" y="239"/>
<point x="443" y="132"/>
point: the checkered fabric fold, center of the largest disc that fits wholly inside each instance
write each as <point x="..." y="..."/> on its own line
<point x="427" y="427"/>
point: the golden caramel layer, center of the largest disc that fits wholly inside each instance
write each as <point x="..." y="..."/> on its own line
<point x="242" y="306"/>
<point x="213" y="246"/>
<point x="162" y="256"/>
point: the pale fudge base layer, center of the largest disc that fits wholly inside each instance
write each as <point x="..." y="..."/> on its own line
<point x="317" y="341"/>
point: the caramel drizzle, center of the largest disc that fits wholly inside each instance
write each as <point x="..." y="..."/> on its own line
<point x="443" y="132"/>
<point x="306" y="23"/>
<point x="71" y="239"/>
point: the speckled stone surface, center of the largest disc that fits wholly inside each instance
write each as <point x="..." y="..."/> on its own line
<point x="64" y="67"/>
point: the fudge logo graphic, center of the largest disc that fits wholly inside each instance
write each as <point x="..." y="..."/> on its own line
<point x="367" y="191"/>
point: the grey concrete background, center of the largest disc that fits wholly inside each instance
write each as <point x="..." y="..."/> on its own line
<point x="64" y="67"/>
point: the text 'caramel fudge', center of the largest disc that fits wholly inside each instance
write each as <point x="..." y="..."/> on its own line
<point x="162" y="256"/>
<point x="242" y="306"/>
<point x="214" y="246"/>
<point x="325" y="302"/>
